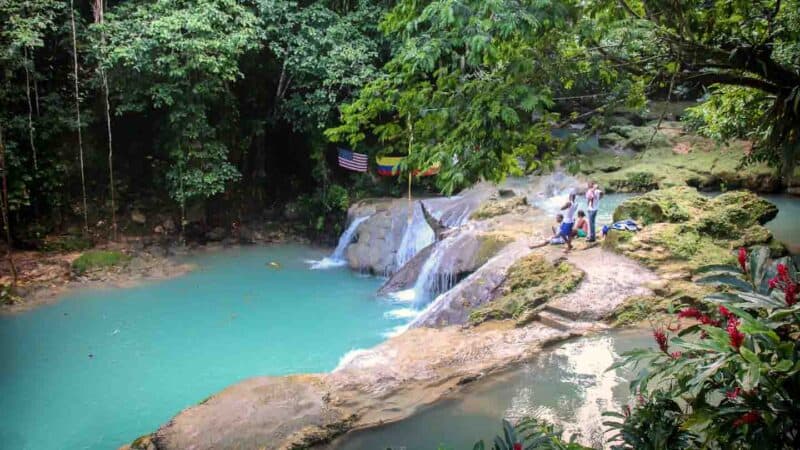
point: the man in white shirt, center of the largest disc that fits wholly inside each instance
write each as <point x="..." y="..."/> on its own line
<point x="593" y="195"/>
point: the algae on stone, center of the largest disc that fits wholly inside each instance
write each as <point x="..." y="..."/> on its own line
<point x="492" y="208"/>
<point x="531" y="282"/>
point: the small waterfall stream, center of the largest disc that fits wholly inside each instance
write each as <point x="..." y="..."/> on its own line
<point x="431" y="280"/>
<point x="337" y="258"/>
<point x="418" y="235"/>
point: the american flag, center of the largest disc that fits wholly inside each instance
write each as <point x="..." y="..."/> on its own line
<point x="352" y="161"/>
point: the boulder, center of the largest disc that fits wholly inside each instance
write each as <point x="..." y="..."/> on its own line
<point x="216" y="234"/>
<point x="676" y="204"/>
<point x="499" y="207"/>
<point x="138" y="217"/>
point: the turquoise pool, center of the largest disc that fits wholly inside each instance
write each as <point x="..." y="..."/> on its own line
<point x="101" y="367"/>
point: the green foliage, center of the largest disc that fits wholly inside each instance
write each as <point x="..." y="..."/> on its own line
<point x="98" y="259"/>
<point x="731" y="380"/>
<point x="181" y="57"/>
<point x="462" y="89"/>
<point x="530" y="434"/>
<point x="746" y="52"/>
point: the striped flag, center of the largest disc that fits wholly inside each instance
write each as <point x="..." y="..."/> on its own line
<point x="352" y="161"/>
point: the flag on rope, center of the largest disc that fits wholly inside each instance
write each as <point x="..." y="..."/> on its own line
<point x="389" y="166"/>
<point x="352" y="161"/>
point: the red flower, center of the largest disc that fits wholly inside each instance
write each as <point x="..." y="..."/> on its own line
<point x="661" y="339"/>
<point x="747" y="418"/>
<point x="692" y="313"/>
<point x="790" y="294"/>
<point x="783" y="271"/>
<point x="705" y="320"/>
<point x="734" y="393"/>
<point x="675" y="355"/>
<point x="517" y="446"/>
<point x="736" y="336"/>
<point x="743" y="259"/>
<point x="784" y="282"/>
<point x="726" y="312"/>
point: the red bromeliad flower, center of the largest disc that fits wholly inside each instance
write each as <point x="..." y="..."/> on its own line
<point x="661" y="339"/>
<point x="705" y="320"/>
<point x="726" y="312"/>
<point x="743" y="259"/>
<point x="518" y="446"/>
<point x="692" y="313"/>
<point x="747" y="418"/>
<point x="736" y="336"/>
<point x="734" y="393"/>
<point x="784" y="282"/>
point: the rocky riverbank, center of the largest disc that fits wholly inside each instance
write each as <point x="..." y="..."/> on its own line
<point x="494" y="302"/>
<point x="44" y="276"/>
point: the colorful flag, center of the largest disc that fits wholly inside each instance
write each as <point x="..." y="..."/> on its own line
<point x="352" y="161"/>
<point x="388" y="166"/>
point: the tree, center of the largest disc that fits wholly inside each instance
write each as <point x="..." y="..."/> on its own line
<point x="78" y="124"/>
<point x="180" y="57"/>
<point x="99" y="11"/>
<point x="4" y="207"/>
<point x="465" y="86"/>
<point x="753" y="46"/>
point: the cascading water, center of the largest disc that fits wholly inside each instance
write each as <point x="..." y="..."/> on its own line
<point x="418" y="235"/>
<point x="337" y="257"/>
<point x="431" y="281"/>
<point x="554" y="192"/>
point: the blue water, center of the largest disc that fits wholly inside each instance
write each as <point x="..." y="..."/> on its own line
<point x="568" y="385"/>
<point x="161" y="347"/>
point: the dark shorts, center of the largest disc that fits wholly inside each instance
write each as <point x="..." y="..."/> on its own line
<point x="566" y="229"/>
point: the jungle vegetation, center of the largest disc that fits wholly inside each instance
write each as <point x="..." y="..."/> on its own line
<point x="213" y="110"/>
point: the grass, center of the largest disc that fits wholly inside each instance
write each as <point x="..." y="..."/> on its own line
<point x="98" y="259"/>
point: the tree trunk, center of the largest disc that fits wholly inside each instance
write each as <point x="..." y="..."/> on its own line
<point x="4" y="208"/>
<point x="78" y="116"/>
<point x="30" y="108"/>
<point x="98" y="14"/>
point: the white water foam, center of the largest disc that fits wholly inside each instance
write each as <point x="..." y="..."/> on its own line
<point x="349" y="357"/>
<point x="401" y="313"/>
<point x="417" y="235"/>
<point x="336" y="259"/>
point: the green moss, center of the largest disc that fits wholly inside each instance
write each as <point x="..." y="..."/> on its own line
<point x="490" y="245"/>
<point x="97" y="259"/>
<point x="675" y="204"/>
<point x="530" y="283"/>
<point x="492" y="208"/>
<point x="707" y="165"/>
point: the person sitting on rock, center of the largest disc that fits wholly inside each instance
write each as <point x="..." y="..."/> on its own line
<point x="581" y="225"/>
<point x="555" y="239"/>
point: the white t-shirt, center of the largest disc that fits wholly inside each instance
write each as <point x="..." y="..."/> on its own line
<point x="593" y="199"/>
<point x="570" y="216"/>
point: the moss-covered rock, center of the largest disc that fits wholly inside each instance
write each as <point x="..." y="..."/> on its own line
<point x="684" y="230"/>
<point x="530" y="283"/>
<point x="675" y="158"/>
<point x="498" y="207"/>
<point x="673" y="205"/>
<point x="98" y="259"/>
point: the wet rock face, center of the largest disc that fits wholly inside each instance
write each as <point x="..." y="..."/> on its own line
<point x="462" y="254"/>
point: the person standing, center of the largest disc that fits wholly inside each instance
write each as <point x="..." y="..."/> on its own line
<point x="593" y="195"/>
<point x="569" y="221"/>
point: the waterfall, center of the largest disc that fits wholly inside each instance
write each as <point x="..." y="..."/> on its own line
<point x="554" y="192"/>
<point x="336" y="259"/>
<point x="431" y="280"/>
<point x="418" y="235"/>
